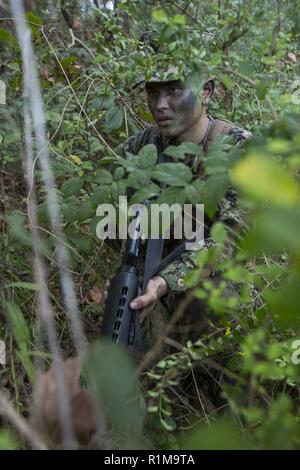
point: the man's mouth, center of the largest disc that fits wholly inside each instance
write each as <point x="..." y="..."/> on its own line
<point x="164" y="120"/>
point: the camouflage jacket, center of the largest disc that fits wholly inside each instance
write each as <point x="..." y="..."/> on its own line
<point x="228" y="212"/>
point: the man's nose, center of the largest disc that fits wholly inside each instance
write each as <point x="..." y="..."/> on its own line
<point x="162" y="102"/>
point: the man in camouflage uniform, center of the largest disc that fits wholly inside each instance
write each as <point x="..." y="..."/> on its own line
<point x="179" y="110"/>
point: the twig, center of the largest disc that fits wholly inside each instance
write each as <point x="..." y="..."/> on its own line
<point x="33" y="93"/>
<point x="8" y="412"/>
<point x="183" y="10"/>
<point x="199" y="397"/>
<point x="34" y="120"/>
<point x="251" y="82"/>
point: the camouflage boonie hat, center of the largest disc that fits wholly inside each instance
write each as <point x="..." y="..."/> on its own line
<point x="168" y="74"/>
<point x="172" y="73"/>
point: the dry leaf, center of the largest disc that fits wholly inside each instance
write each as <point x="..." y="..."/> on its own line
<point x="291" y="56"/>
<point x="46" y="413"/>
<point x="96" y="295"/>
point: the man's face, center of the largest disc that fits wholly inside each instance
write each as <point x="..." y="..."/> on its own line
<point x="174" y="106"/>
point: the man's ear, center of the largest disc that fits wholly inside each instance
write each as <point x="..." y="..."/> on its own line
<point x="208" y="90"/>
<point x="209" y="86"/>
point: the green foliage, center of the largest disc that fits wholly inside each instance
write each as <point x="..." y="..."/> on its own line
<point x="8" y="441"/>
<point x="113" y="379"/>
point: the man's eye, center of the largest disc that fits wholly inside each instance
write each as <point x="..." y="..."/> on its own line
<point x="152" y="93"/>
<point x="175" y="90"/>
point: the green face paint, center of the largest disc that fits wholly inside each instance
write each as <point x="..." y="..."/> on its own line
<point x="174" y="105"/>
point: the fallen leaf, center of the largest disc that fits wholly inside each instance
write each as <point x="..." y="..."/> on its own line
<point x="46" y="413"/>
<point x="96" y="295"/>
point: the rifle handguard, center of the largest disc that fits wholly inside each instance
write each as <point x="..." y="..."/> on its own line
<point x="120" y="322"/>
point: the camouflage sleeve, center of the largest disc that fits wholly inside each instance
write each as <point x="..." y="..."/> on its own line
<point x="134" y="144"/>
<point x="229" y="213"/>
<point x="239" y="135"/>
<point x="175" y="272"/>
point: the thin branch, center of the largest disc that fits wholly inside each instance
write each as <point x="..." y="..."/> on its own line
<point x="251" y="82"/>
<point x="233" y="37"/>
<point x="20" y="424"/>
<point x="183" y="10"/>
<point x="33" y="93"/>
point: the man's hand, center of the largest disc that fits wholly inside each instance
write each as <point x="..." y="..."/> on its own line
<point x="156" y="288"/>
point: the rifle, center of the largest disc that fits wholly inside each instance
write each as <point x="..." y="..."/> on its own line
<point x="120" y="322"/>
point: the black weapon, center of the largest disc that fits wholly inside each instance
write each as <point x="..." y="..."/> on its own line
<point x="120" y="322"/>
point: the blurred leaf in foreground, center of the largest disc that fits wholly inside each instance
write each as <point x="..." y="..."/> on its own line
<point x="263" y="179"/>
<point x="112" y="377"/>
<point x="224" y="435"/>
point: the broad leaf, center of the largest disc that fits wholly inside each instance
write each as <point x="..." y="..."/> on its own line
<point x="147" y="156"/>
<point x="173" y="174"/>
<point x="72" y="186"/>
<point x="114" y="118"/>
<point x="214" y="190"/>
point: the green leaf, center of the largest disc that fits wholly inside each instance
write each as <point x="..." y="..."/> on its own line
<point x="69" y="210"/>
<point x="147" y="156"/>
<point x="85" y="211"/>
<point x="8" y="441"/>
<point x="180" y="151"/>
<point x="100" y="196"/>
<point x="194" y="192"/>
<point x="223" y="435"/>
<point x="137" y="178"/>
<point x="104" y="177"/>
<point x="191" y="148"/>
<point x="226" y="80"/>
<point x="114" y="118"/>
<point x="175" y="151"/>
<point x="237" y="274"/>
<point x="16" y="224"/>
<point x="152" y="409"/>
<point x="191" y="192"/>
<point x="145" y="193"/>
<point x="218" y="232"/>
<point x="172" y="195"/>
<point x="192" y="278"/>
<point x="118" y="188"/>
<point x="24" y="285"/>
<point x="261" y="90"/>
<point x="119" y="173"/>
<point x="160" y="16"/>
<point x="113" y="379"/>
<point x="168" y="423"/>
<point x="33" y="18"/>
<point x="18" y="325"/>
<point x="214" y="190"/>
<point x="274" y="231"/>
<point x="72" y="186"/>
<point x="263" y="179"/>
<point x="173" y="174"/>
<point x="68" y="61"/>
<point x="7" y="37"/>
<point x="285" y="303"/>
<point x="179" y="19"/>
